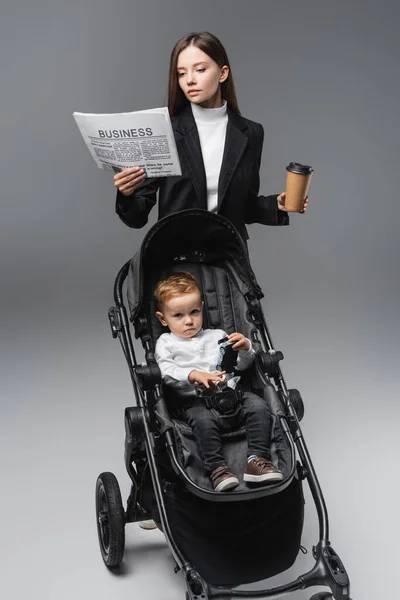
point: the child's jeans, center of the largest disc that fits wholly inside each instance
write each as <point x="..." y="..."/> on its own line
<point x="256" y="417"/>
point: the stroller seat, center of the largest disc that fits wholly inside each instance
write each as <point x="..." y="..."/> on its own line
<point x="224" y="308"/>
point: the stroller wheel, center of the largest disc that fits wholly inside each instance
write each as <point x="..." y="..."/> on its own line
<point x="110" y="519"/>
<point x="298" y="405"/>
<point x="322" y="596"/>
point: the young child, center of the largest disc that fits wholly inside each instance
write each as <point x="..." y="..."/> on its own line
<point x="190" y="353"/>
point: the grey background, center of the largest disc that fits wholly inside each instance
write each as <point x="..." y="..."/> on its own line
<point x="322" y="77"/>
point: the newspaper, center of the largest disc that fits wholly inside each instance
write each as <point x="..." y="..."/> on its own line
<point x="136" y="139"/>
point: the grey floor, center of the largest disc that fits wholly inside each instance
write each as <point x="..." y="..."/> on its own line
<point x="65" y="426"/>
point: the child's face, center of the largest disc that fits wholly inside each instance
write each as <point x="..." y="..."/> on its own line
<point x="182" y="314"/>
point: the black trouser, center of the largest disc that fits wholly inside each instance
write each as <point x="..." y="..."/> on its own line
<point x="206" y="428"/>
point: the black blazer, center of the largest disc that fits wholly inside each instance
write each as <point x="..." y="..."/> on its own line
<point x="238" y="186"/>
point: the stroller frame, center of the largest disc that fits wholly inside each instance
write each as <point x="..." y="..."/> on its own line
<point x="328" y="569"/>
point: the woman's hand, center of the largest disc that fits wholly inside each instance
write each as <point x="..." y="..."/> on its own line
<point x="241" y="343"/>
<point x="281" y="203"/>
<point x="129" y="180"/>
<point x="206" y="378"/>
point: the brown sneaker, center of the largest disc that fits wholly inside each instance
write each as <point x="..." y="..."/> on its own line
<point x="223" y="479"/>
<point x="260" y="469"/>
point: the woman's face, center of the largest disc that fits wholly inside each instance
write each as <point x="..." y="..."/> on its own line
<point x="200" y="77"/>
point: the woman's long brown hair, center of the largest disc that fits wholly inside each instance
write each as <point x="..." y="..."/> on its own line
<point x="211" y="45"/>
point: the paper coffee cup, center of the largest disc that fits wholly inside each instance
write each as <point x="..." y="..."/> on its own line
<point x="298" y="179"/>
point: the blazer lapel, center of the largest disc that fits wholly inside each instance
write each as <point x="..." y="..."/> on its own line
<point x="235" y="144"/>
<point x="189" y="143"/>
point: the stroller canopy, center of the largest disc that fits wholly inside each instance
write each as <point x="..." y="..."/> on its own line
<point x="193" y="235"/>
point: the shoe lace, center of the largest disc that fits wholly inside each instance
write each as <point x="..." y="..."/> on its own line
<point x="262" y="462"/>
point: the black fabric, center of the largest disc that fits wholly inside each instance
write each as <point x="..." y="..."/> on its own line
<point x="238" y="186"/>
<point x="235" y="452"/>
<point x="238" y="542"/>
<point x="191" y="236"/>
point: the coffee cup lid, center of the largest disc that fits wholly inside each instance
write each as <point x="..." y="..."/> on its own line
<point x="295" y="167"/>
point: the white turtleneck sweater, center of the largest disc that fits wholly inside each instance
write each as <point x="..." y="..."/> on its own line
<point x="211" y="124"/>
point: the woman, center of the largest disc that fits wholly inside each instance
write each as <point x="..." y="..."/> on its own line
<point x="220" y="151"/>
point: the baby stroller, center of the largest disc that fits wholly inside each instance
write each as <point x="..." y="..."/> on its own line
<point x="251" y="533"/>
